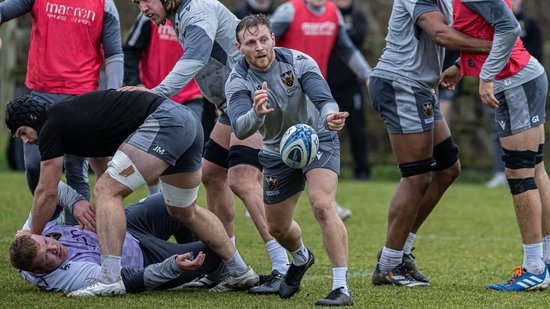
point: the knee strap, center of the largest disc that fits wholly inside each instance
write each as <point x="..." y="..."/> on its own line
<point x="417" y="168"/>
<point x="240" y="154"/>
<point x="445" y="154"/>
<point x="540" y="154"/>
<point x="520" y="185"/>
<point x="178" y="197"/>
<point x="519" y="159"/>
<point x="216" y="154"/>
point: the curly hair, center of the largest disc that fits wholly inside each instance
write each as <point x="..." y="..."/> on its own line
<point x="23" y="250"/>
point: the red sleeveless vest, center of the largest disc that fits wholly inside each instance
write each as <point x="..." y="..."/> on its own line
<point x="474" y="25"/>
<point x="311" y="34"/>
<point x="159" y="58"/>
<point x="65" y="46"/>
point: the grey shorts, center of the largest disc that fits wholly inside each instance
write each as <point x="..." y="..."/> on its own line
<point x="282" y="182"/>
<point x="522" y="107"/>
<point x="174" y="134"/>
<point x="405" y="108"/>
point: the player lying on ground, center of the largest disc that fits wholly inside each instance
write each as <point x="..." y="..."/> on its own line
<point x="66" y="258"/>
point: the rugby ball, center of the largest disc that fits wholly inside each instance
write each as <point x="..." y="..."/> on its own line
<point x="299" y="146"/>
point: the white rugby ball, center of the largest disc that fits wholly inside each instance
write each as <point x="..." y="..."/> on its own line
<point x="299" y="146"/>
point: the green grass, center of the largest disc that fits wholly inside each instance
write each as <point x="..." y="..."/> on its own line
<point x="471" y="240"/>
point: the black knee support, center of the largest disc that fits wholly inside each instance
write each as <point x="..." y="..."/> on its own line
<point x="216" y="154"/>
<point x="540" y="154"/>
<point x="520" y="185"/>
<point x="417" y="168"/>
<point x="445" y="154"/>
<point x="515" y="160"/>
<point x="240" y="154"/>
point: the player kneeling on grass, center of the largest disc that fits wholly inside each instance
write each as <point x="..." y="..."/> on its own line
<point x="65" y="258"/>
<point x="148" y="137"/>
<point x="275" y="83"/>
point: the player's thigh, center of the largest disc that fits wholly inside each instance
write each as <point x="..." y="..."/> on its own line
<point x="221" y="133"/>
<point x="321" y="186"/>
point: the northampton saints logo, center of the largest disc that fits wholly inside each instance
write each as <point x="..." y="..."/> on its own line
<point x="287" y="78"/>
<point x="272" y="182"/>
<point x="53" y="235"/>
<point x="428" y="109"/>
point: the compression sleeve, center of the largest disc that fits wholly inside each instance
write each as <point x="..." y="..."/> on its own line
<point x="137" y="42"/>
<point x="281" y="19"/>
<point x="349" y="54"/>
<point x="112" y="46"/>
<point x="11" y="9"/>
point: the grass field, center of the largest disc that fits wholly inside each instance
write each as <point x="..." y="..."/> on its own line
<point x="471" y="240"/>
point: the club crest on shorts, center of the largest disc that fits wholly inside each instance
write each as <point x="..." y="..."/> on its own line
<point x="271" y="182"/>
<point x="288" y="78"/>
<point x="428" y="109"/>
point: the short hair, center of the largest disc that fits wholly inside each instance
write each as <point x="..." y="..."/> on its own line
<point x="23" y="251"/>
<point x="252" y="21"/>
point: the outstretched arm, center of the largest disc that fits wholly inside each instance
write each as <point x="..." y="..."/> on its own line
<point x="137" y="42"/>
<point x="160" y="274"/>
<point x="45" y="195"/>
<point x="433" y="23"/>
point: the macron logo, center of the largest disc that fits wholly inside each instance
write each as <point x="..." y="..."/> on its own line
<point x="319" y="154"/>
<point x="502" y="124"/>
<point x="70" y="13"/>
<point x="327" y="28"/>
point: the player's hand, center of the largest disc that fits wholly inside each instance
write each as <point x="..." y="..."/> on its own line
<point x="367" y="81"/>
<point x="185" y="264"/>
<point x="336" y="121"/>
<point x="84" y="214"/>
<point x="486" y="94"/>
<point x="20" y="233"/>
<point x="260" y="101"/>
<point x="135" y="88"/>
<point x="450" y="77"/>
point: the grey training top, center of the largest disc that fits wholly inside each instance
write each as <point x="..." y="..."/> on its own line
<point x="410" y="53"/>
<point x="343" y="46"/>
<point x="296" y="90"/>
<point x="206" y="30"/>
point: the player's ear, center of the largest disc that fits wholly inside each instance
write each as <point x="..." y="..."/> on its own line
<point x="273" y="38"/>
<point x="238" y="46"/>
